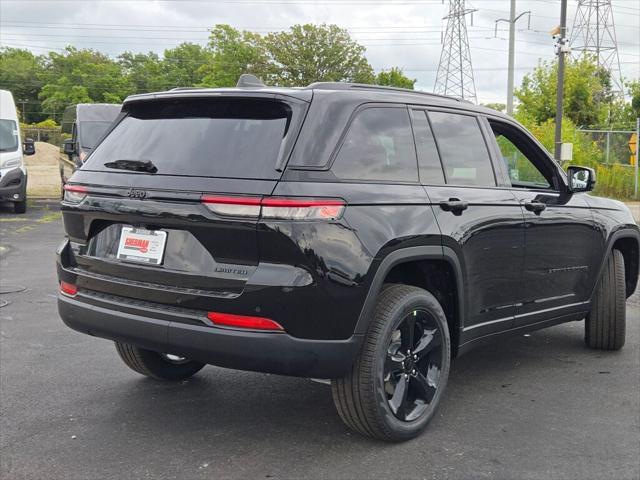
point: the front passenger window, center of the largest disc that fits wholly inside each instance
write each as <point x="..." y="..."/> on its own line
<point x="518" y="157"/>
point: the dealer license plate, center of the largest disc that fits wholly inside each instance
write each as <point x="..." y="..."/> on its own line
<point x="143" y="246"/>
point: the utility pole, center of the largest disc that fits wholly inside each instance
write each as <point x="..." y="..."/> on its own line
<point x="512" y="47"/>
<point x="455" y="74"/>
<point x="635" y="168"/>
<point x="561" y="49"/>
<point x="23" y="102"/>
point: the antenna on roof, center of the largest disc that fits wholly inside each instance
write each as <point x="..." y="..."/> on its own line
<point x="247" y="80"/>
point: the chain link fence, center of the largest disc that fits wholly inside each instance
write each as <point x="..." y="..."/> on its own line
<point x="617" y="172"/>
<point x="50" y="135"/>
<point x="614" y="145"/>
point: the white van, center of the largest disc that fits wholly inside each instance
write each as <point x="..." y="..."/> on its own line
<point x="13" y="176"/>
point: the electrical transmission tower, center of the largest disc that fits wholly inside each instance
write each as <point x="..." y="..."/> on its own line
<point x="455" y="74"/>
<point x="594" y="32"/>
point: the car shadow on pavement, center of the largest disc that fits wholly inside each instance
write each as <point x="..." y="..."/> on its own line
<point x="243" y="405"/>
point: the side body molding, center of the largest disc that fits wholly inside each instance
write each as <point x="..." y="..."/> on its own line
<point x="404" y="255"/>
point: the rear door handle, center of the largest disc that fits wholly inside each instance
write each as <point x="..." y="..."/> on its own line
<point x="535" y="207"/>
<point x="454" y="205"/>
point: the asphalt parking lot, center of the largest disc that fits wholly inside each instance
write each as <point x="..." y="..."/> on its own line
<point x="539" y="406"/>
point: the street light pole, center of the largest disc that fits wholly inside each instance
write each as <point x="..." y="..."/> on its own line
<point x="512" y="49"/>
<point x="560" y="51"/>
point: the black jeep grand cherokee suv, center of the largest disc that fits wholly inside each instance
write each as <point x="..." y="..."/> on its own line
<point x="361" y="234"/>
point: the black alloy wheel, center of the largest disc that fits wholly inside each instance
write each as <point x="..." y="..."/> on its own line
<point x="398" y="378"/>
<point x="413" y="365"/>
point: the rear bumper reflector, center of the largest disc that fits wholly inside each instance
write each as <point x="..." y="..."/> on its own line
<point x="68" y="289"/>
<point x="242" y="321"/>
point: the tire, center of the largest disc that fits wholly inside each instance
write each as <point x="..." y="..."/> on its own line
<point x="365" y="397"/>
<point x="20" y="207"/>
<point x="156" y="365"/>
<point x="605" y="325"/>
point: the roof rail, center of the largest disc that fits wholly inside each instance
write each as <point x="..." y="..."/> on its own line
<point x="177" y="89"/>
<point x="364" y="86"/>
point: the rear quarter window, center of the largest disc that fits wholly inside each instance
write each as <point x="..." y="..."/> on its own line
<point x="230" y="138"/>
<point x="378" y="147"/>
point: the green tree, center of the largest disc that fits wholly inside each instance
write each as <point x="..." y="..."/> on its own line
<point x="587" y="92"/>
<point x="143" y="71"/>
<point x="19" y="72"/>
<point x="316" y="53"/>
<point x="623" y="114"/>
<point x="634" y="92"/>
<point x="394" y="78"/>
<point x="185" y="65"/>
<point x="585" y="151"/>
<point x="81" y="75"/>
<point x="233" y="53"/>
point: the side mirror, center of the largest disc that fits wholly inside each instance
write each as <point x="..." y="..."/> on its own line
<point x="69" y="147"/>
<point x="28" y="146"/>
<point x="581" y="179"/>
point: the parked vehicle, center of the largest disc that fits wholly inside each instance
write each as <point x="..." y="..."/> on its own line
<point x="84" y="124"/>
<point x="361" y="234"/>
<point x="13" y="175"/>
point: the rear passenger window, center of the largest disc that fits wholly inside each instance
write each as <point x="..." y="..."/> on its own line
<point x="428" y="158"/>
<point x="464" y="153"/>
<point x="378" y="146"/>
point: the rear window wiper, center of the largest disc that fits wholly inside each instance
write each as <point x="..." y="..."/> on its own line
<point x="133" y="165"/>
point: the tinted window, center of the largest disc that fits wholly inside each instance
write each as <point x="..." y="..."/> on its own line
<point x="520" y="158"/>
<point x="464" y="154"/>
<point x="522" y="172"/>
<point x="91" y="132"/>
<point x="218" y="138"/>
<point x="8" y="136"/>
<point x="378" y="146"/>
<point x="428" y="158"/>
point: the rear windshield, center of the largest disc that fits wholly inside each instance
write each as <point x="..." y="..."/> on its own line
<point x="90" y="132"/>
<point x="199" y="137"/>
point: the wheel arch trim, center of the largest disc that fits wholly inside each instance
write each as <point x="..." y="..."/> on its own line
<point x="625" y="233"/>
<point x="407" y="255"/>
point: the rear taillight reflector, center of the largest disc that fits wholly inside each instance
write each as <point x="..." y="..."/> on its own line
<point x="68" y="289"/>
<point x="242" y="321"/>
<point x="233" y="206"/>
<point x="275" y="207"/>
<point x="74" y="193"/>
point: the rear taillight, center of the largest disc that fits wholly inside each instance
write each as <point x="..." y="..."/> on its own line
<point x="242" y="321"/>
<point x="68" y="289"/>
<point x="74" y="193"/>
<point x="278" y="208"/>
<point x="302" y="209"/>
<point x="233" y="206"/>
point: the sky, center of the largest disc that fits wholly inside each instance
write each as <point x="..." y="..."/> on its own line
<point x="403" y="33"/>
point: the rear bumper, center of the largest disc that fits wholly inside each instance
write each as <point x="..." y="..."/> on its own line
<point x="270" y="352"/>
<point x="13" y="182"/>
